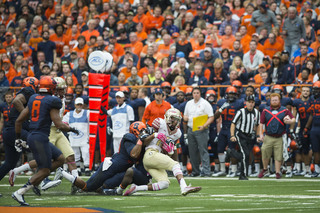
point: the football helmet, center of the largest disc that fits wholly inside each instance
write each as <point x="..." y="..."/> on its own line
<point x="165" y="84"/>
<point x="316" y="89"/>
<point x="61" y="83"/>
<point x="237" y="84"/>
<point x="277" y="89"/>
<point x="69" y="91"/>
<point x="124" y="89"/>
<point x="137" y="128"/>
<point x="47" y="84"/>
<point x="256" y="150"/>
<point x="173" y="118"/>
<point x="211" y="95"/>
<point x="189" y="91"/>
<point x="293" y="145"/>
<point x="231" y="94"/>
<point x="31" y="82"/>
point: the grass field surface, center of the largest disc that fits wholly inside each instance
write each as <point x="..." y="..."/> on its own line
<point x="217" y="195"/>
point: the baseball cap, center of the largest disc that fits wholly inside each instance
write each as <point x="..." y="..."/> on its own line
<point x="277" y="55"/>
<point x="183" y="7"/>
<point x="250" y="98"/>
<point x="85" y="73"/>
<point x="255" y="34"/>
<point x="228" y="13"/>
<point x="312" y="54"/>
<point x="192" y="54"/>
<point x="266" y="57"/>
<point x="264" y="5"/>
<point x="194" y="1"/>
<point x="46" y="65"/>
<point x="309" y="10"/>
<point x="8" y="34"/>
<point x="130" y="58"/>
<point x="251" y="80"/>
<point x="120" y="94"/>
<point x="208" y="49"/>
<point x="130" y="13"/>
<point x="302" y="40"/>
<point x="285" y="52"/>
<point x="209" y="41"/>
<point x="112" y="36"/>
<point x="96" y="16"/>
<point x="5" y="60"/>
<point x="78" y="100"/>
<point x="262" y="65"/>
<point x="180" y="54"/>
<point x="158" y="91"/>
<point x="175" y="35"/>
<point x="199" y="7"/>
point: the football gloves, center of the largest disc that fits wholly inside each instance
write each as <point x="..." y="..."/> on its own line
<point x="74" y="130"/>
<point x="20" y="144"/>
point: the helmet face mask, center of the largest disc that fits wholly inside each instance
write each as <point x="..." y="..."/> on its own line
<point x="137" y="128"/>
<point x="316" y="92"/>
<point x="231" y="97"/>
<point x="173" y="118"/>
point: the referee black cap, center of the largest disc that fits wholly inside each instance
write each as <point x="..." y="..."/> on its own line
<point x="250" y="98"/>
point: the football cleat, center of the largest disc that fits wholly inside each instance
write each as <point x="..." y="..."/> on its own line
<point x="19" y="198"/>
<point x="263" y="173"/>
<point x="36" y="190"/>
<point x="289" y="175"/>
<point x="12" y="177"/>
<point x="58" y="175"/>
<point x="243" y="177"/>
<point x="271" y="175"/>
<point x="315" y="174"/>
<point x="190" y="189"/>
<point x="218" y="174"/>
<point x="133" y="189"/>
<point x="110" y="192"/>
<point x="74" y="189"/>
<point x="302" y="173"/>
<point x="231" y="175"/>
<point x="308" y="175"/>
<point x="47" y="184"/>
<point x="278" y="175"/>
<point x="254" y="174"/>
<point x="87" y="172"/>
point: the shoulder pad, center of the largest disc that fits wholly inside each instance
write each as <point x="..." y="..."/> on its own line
<point x="27" y="92"/>
<point x="56" y="103"/>
<point x="131" y="138"/>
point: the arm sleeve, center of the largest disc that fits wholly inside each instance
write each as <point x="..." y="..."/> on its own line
<point x="156" y="124"/>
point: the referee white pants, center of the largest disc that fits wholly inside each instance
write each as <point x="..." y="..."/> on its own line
<point x="82" y="151"/>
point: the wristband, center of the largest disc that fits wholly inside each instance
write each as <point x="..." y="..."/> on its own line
<point x="139" y="142"/>
<point x="220" y="110"/>
<point x="155" y="135"/>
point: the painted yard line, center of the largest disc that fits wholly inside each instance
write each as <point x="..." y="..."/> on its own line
<point x="194" y="207"/>
<point x="129" y="207"/>
<point x="312" y="190"/>
<point x="267" y="196"/>
<point x="6" y="185"/>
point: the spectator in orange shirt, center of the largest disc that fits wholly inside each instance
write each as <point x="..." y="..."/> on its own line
<point x="82" y="47"/>
<point x="81" y="8"/>
<point x="59" y="39"/>
<point x="164" y="49"/>
<point x="9" y="70"/>
<point x="200" y="44"/>
<point x="261" y="69"/>
<point x="271" y="47"/>
<point x="245" y="39"/>
<point x="156" y="109"/>
<point x="154" y="21"/>
<point x="193" y="7"/>
<point x="142" y="35"/>
<point x="35" y="39"/>
<point x="91" y="30"/>
<point x="315" y="45"/>
<point x="136" y="46"/>
<point x="228" y="38"/>
<point x="66" y="71"/>
<point x="140" y="17"/>
<point x="126" y="70"/>
<point x="50" y="9"/>
<point x="246" y="20"/>
<point x="66" y="7"/>
<point x="9" y="40"/>
<point x="27" y="51"/>
<point x="118" y="49"/>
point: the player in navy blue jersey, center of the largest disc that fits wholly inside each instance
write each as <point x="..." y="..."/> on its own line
<point x="301" y="106"/>
<point x="5" y="110"/>
<point x="227" y="108"/>
<point x="30" y="85"/>
<point x="129" y="153"/>
<point x="42" y="109"/>
<point x="137" y="104"/>
<point x="285" y="101"/>
<point x="214" y="128"/>
<point x="314" y="124"/>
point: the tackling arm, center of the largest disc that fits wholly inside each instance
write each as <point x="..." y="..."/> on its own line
<point x="55" y="117"/>
<point x="19" y="101"/>
<point x="22" y="117"/>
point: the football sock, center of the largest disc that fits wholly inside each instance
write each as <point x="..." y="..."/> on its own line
<point x="308" y="169"/>
<point x="182" y="183"/>
<point x="316" y="168"/>
<point x="75" y="172"/>
<point x="222" y="163"/>
<point x="22" y="168"/>
<point x="234" y="168"/>
<point x="25" y="188"/>
<point x="142" y="188"/>
<point x="68" y="176"/>
<point x="303" y="167"/>
<point x="217" y="167"/>
<point x="249" y="170"/>
<point x="120" y="189"/>
<point x="289" y="169"/>
<point x="159" y="186"/>
<point x="298" y="167"/>
<point x="176" y="170"/>
<point x="257" y="167"/>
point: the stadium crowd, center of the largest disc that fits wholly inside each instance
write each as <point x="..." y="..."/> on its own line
<point x="175" y="45"/>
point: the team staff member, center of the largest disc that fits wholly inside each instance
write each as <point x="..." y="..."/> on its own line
<point x="275" y="117"/>
<point x="156" y="109"/>
<point x="198" y="140"/>
<point x="243" y="130"/>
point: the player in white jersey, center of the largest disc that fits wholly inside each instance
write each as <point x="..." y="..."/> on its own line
<point x="58" y="139"/>
<point x="157" y="158"/>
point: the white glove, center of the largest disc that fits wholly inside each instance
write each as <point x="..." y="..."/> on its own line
<point x="19" y="144"/>
<point x="224" y="106"/>
<point x="186" y="142"/>
<point x="109" y="130"/>
<point x="216" y="139"/>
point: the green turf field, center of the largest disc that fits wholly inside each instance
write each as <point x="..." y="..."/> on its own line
<point x="217" y="195"/>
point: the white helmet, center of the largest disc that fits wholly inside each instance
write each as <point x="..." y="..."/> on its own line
<point x="61" y="83"/>
<point x="171" y="116"/>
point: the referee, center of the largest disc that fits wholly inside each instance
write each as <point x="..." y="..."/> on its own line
<point x="243" y="130"/>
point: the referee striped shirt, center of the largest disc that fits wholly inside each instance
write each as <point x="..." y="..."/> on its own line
<point x="245" y="121"/>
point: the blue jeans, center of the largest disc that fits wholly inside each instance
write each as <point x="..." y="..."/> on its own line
<point x="291" y="49"/>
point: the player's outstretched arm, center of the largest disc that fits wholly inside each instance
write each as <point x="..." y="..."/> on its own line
<point x="56" y="119"/>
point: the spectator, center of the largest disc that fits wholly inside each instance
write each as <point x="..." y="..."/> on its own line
<point x="253" y="58"/>
<point x="227" y="61"/>
<point x="3" y="79"/>
<point x="229" y="21"/>
<point x="276" y="73"/>
<point x="17" y="81"/>
<point x="274" y="130"/>
<point x="59" y="39"/>
<point x="8" y="69"/>
<point x="134" y="79"/>
<point x="236" y="50"/>
<point x="293" y="29"/>
<point x="137" y="104"/>
<point x="218" y="75"/>
<point x="122" y="116"/>
<point x="227" y="38"/>
<point x="198" y="139"/>
<point x="271" y="46"/>
<point x="263" y="18"/>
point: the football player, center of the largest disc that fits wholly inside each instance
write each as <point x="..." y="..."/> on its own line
<point x="159" y="147"/>
<point x="12" y="156"/>
<point x="43" y="109"/>
<point x="129" y="153"/>
<point x="58" y="139"/>
<point x="300" y="108"/>
<point x="226" y="108"/>
<point x="137" y="104"/>
<point x="314" y="124"/>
